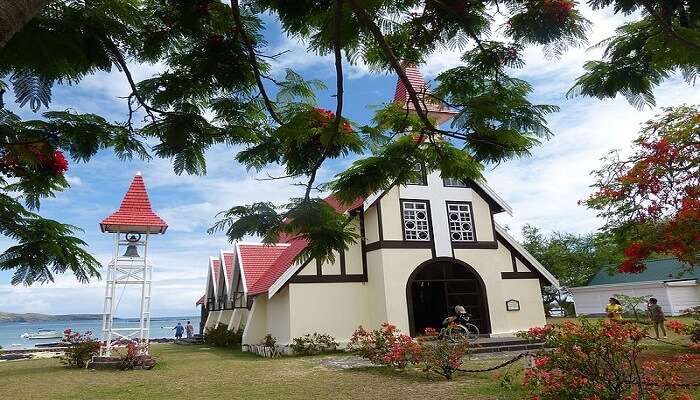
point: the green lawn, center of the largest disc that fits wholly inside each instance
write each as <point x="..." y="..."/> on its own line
<point x="198" y="372"/>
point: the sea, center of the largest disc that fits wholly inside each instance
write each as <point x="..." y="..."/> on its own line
<point x="11" y="332"/>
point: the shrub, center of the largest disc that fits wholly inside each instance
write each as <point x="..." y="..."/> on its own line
<point x="269" y="341"/>
<point x="599" y="360"/>
<point x="385" y="346"/>
<point x="77" y="355"/>
<point x="81" y="349"/>
<point x="313" y="344"/>
<point x="440" y="355"/>
<point x="135" y="357"/>
<point x="221" y="336"/>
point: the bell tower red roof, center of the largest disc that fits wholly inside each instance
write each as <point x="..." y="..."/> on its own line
<point x="432" y="105"/>
<point x="135" y="213"/>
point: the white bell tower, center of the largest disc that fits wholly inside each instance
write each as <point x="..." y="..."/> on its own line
<point x="131" y="227"/>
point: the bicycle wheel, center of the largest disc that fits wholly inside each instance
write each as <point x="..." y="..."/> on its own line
<point x="457" y="334"/>
<point x="472" y="331"/>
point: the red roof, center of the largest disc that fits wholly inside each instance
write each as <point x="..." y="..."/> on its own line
<point x="200" y="302"/>
<point x="215" y="266"/>
<point x="135" y="213"/>
<point x="256" y="260"/>
<point x="228" y="264"/>
<point x="434" y="108"/>
<point x="296" y="246"/>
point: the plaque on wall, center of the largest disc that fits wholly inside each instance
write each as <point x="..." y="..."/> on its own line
<point x="512" y="305"/>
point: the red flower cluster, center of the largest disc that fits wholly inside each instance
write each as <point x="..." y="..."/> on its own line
<point x="558" y="9"/>
<point x="54" y="162"/>
<point x="327" y="116"/>
<point x="677" y="326"/>
<point x="540" y="332"/>
<point x="590" y="360"/>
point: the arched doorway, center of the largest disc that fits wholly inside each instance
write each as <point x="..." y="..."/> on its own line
<point x="438" y="285"/>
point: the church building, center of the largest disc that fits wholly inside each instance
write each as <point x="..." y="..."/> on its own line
<point x="425" y="247"/>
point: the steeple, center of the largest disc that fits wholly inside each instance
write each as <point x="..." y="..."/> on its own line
<point x="435" y="109"/>
<point x="135" y="213"/>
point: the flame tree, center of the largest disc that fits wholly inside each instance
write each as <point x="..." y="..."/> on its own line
<point x="651" y="198"/>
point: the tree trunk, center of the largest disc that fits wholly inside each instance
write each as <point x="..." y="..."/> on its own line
<point x="14" y="14"/>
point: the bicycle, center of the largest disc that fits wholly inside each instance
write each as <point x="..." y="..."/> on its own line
<point x="460" y="330"/>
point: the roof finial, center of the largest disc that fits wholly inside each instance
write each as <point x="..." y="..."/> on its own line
<point x="138" y="173"/>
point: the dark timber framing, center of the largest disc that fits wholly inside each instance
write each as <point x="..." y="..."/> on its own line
<point x="319" y="277"/>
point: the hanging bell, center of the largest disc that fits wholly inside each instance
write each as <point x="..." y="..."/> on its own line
<point x="131" y="251"/>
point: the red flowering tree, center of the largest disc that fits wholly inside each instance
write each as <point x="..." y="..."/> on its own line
<point x="601" y="360"/>
<point x="651" y="199"/>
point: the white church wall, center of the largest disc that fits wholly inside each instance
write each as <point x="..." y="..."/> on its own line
<point x="336" y="309"/>
<point x="371" y="225"/>
<point x="482" y="217"/>
<point x="256" y="324"/>
<point x="278" y="316"/>
<point x="353" y="255"/>
<point x="391" y="215"/>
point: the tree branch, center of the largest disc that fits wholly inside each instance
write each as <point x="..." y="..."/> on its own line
<point x="667" y="27"/>
<point x="389" y="53"/>
<point x="125" y="68"/>
<point x="235" y="7"/>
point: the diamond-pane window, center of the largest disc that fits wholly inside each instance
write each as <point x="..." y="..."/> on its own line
<point x="415" y="221"/>
<point x="459" y="217"/>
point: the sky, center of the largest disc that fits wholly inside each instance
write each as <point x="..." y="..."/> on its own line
<point x="543" y="189"/>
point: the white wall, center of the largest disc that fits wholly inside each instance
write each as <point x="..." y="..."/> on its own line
<point x="683" y="295"/>
<point x="591" y="300"/>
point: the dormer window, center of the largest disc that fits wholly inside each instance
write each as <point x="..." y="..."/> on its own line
<point x="422" y="178"/>
<point x="415" y="220"/>
<point x="461" y="220"/>
<point x="453" y="182"/>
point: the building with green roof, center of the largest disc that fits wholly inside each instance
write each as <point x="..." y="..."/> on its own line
<point x="674" y="284"/>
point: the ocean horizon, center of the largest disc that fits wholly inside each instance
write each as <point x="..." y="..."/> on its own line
<point x="11" y="332"/>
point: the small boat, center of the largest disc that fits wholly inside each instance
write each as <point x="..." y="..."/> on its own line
<point x="43" y="334"/>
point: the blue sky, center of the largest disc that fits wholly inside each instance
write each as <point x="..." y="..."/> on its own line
<point x="543" y="189"/>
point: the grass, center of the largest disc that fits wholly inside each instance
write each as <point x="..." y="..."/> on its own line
<point x="195" y="372"/>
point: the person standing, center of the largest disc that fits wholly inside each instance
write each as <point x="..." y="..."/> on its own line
<point x="189" y="330"/>
<point x="657" y="316"/>
<point x="178" y="331"/>
<point x="614" y="309"/>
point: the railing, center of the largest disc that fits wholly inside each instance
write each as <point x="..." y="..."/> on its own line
<point x="211" y="303"/>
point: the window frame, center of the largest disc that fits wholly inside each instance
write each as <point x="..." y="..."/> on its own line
<point x="471" y="216"/>
<point x="462" y="185"/>
<point x="423" y="178"/>
<point x="431" y="236"/>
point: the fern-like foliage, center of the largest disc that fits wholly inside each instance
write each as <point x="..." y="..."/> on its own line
<point x="31" y="88"/>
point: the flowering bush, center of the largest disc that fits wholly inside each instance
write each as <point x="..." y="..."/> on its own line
<point x="692" y="330"/>
<point x="599" y="360"/>
<point x="441" y="355"/>
<point x="313" y="344"/>
<point x="81" y="350"/>
<point x="433" y="352"/>
<point x="137" y="356"/>
<point x="385" y="346"/>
